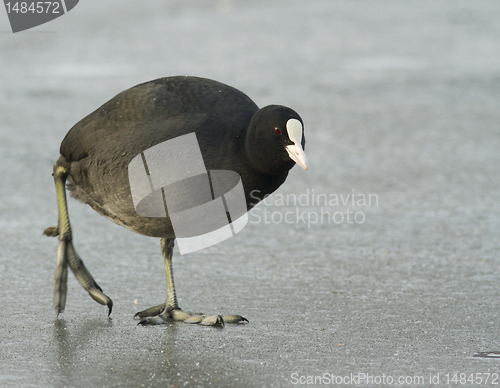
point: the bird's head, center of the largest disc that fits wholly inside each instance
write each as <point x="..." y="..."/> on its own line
<point x="275" y="140"/>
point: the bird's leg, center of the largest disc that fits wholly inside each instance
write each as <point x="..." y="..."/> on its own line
<point x="167" y="249"/>
<point x="170" y="309"/>
<point x="66" y="254"/>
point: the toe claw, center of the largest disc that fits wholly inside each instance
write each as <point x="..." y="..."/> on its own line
<point x="234" y="319"/>
<point x="213" y="320"/>
<point x="101" y="298"/>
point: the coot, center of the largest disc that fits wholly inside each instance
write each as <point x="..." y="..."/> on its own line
<point x="261" y="145"/>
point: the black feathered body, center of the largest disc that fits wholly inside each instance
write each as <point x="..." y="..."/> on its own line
<point x="99" y="148"/>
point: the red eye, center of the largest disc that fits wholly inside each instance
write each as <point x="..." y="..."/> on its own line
<point x="277" y="130"/>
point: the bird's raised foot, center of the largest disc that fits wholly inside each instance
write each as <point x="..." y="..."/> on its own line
<point x="149" y="318"/>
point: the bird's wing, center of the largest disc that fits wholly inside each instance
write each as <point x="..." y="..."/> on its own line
<point x="154" y="102"/>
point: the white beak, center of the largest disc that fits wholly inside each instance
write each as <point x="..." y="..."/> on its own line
<point x="295" y="151"/>
<point x="297" y="154"/>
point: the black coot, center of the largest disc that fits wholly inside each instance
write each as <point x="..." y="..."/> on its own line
<point x="261" y="145"/>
